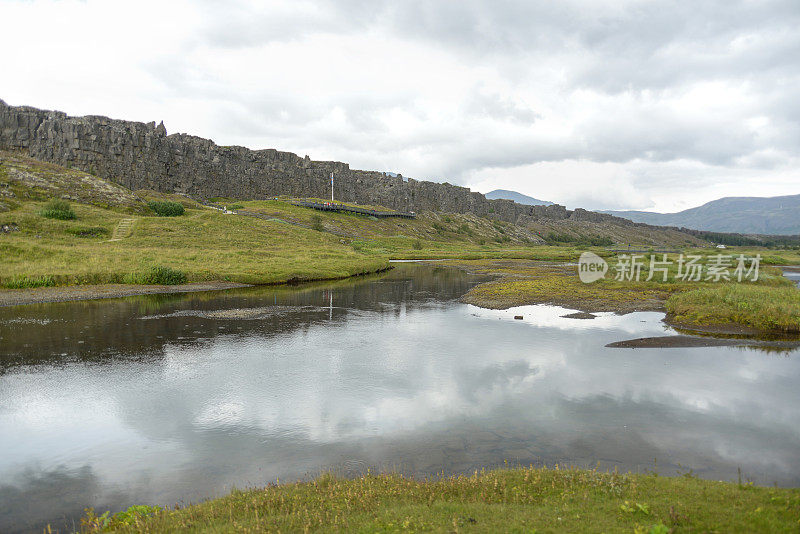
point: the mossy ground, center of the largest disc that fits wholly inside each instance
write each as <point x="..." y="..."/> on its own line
<point x="510" y="500"/>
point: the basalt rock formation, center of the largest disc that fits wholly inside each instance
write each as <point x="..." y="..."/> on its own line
<point x="142" y="156"/>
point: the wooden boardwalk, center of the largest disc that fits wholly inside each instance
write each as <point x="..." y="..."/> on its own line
<point x="332" y="206"/>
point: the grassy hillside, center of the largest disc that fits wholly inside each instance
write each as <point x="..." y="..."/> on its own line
<point x="513" y="500"/>
<point x="115" y="237"/>
<point x="203" y="243"/>
<point x="470" y="233"/>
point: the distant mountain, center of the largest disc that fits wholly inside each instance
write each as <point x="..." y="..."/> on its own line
<point x="744" y="215"/>
<point x="519" y="198"/>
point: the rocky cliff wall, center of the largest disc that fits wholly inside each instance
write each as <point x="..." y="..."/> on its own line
<point x="143" y="156"/>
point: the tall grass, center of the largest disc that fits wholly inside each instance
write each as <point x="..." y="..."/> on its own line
<point x="58" y="209"/>
<point x="164" y="276"/>
<point x="769" y="308"/>
<point x="26" y="282"/>
<point x="166" y="208"/>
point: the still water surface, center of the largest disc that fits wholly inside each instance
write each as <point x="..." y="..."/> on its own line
<point x="176" y="398"/>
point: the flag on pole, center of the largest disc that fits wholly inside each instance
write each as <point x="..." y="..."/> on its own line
<point x="331" y="178"/>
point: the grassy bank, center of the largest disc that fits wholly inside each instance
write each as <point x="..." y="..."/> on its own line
<point x="762" y="307"/>
<point x="513" y="500"/>
<point x="203" y="244"/>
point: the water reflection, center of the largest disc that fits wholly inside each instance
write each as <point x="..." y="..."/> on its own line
<point x="159" y="400"/>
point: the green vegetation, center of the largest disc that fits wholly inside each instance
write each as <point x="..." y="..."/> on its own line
<point x="772" y="303"/>
<point x="135" y="515"/>
<point x="763" y="307"/>
<point x="581" y="240"/>
<point x="236" y="207"/>
<point x="89" y="231"/>
<point x="523" y="282"/>
<point x="166" y="208"/>
<point x="58" y="209"/>
<point x="27" y="282"/>
<point x="204" y="244"/>
<point x="509" y="500"/>
<point x="157" y="275"/>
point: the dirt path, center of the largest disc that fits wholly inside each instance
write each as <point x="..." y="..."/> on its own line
<point x="15" y="297"/>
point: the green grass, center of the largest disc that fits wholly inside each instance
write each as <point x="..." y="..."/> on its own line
<point x="28" y="282"/>
<point x="204" y="244"/>
<point x="763" y="307"/>
<point x="510" y="500"/>
<point x="89" y="231"/>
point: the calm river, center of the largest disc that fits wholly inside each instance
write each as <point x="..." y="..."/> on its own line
<point x="172" y="399"/>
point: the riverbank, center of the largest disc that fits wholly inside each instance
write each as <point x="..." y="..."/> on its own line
<point x="770" y="305"/>
<point x="40" y="295"/>
<point x="507" y="500"/>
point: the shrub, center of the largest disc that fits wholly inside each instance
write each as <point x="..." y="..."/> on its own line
<point x="58" y="209"/>
<point x="439" y="228"/>
<point x="166" y="208"/>
<point x="416" y="244"/>
<point x="236" y="207"/>
<point x="581" y="240"/>
<point x="316" y="223"/>
<point x="164" y="276"/>
<point x="91" y="231"/>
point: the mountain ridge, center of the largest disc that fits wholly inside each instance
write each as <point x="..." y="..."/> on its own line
<point x="519" y="198"/>
<point x="778" y="215"/>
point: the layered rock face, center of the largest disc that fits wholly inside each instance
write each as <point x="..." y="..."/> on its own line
<point x="143" y="156"/>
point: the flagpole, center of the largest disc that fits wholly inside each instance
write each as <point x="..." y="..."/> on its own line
<point x="331" y="187"/>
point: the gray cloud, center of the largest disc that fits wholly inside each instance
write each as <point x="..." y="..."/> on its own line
<point x="470" y="92"/>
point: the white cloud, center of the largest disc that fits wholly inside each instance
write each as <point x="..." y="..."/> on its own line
<point x="613" y="104"/>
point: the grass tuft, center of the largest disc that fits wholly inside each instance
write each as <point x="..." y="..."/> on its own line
<point x="58" y="209"/>
<point x="163" y="276"/>
<point x="166" y="208"/>
<point x="89" y="231"/>
<point x="27" y="282"/>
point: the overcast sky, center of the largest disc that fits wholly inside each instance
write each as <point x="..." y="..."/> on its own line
<point x="600" y="104"/>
